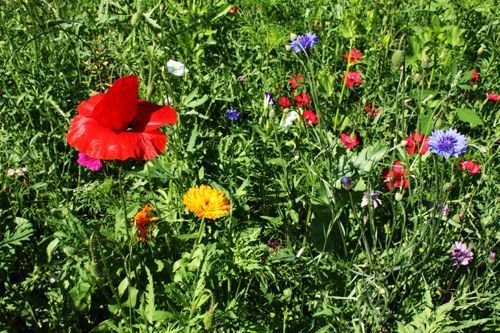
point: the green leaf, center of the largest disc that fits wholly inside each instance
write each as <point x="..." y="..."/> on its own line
<point x="122" y="286"/>
<point x="50" y="248"/>
<point x="469" y="116"/>
<point x="150" y="297"/>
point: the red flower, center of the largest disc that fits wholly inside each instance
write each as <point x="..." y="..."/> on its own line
<point x="371" y="110"/>
<point x="349" y="141"/>
<point x="302" y="99"/>
<point x="395" y="177"/>
<point x="296" y="81"/>
<point x="493" y="97"/>
<point x="116" y="125"/>
<point x="284" y="102"/>
<point x="353" y="56"/>
<point x="417" y="144"/>
<point x="233" y="10"/>
<point x="353" y="77"/>
<point x="470" y="167"/>
<point x="310" y="117"/>
<point x="474" y="78"/>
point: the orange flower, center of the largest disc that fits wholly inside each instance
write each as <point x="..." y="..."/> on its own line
<point x="204" y="201"/>
<point x="143" y="221"/>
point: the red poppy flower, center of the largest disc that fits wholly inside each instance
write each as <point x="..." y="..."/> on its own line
<point x="353" y="56"/>
<point x="493" y="97"/>
<point x="116" y="125"/>
<point x="395" y="177"/>
<point x="310" y="117"/>
<point x="349" y="141"/>
<point x="417" y="144"/>
<point x="233" y="10"/>
<point x="371" y="110"/>
<point x="296" y="81"/>
<point x="470" y="167"/>
<point x="474" y="78"/>
<point x="302" y="99"/>
<point x="353" y="77"/>
<point x="284" y="102"/>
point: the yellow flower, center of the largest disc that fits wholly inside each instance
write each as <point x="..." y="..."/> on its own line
<point x="143" y="221"/>
<point x="205" y="201"/>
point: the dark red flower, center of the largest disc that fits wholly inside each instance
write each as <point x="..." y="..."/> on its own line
<point x="474" y="78"/>
<point x="493" y="97"/>
<point x="371" y="110"/>
<point x="353" y="77"/>
<point x="115" y="125"/>
<point x="470" y="167"/>
<point x="302" y="99"/>
<point x="284" y="102"/>
<point x="349" y="141"/>
<point x="395" y="177"/>
<point x="417" y="144"/>
<point x="310" y="117"/>
<point x="353" y="56"/>
<point x="296" y="81"/>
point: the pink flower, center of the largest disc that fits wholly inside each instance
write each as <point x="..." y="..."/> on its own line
<point x="296" y="81"/>
<point x="417" y="144"/>
<point x="371" y="110"/>
<point x="349" y="141"/>
<point x="471" y="167"/>
<point x="91" y="163"/>
<point x="395" y="177"/>
<point x="353" y="56"/>
<point x="493" y="97"/>
<point x="353" y="77"/>
<point x="310" y="117"/>
<point x="474" y="78"/>
<point x="302" y="99"/>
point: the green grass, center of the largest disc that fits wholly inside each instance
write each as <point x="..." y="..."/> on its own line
<point x="70" y="261"/>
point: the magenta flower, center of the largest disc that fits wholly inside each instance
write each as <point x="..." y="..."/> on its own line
<point x="91" y="163"/>
<point x="461" y="254"/>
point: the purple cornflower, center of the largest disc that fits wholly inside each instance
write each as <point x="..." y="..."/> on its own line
<point x="268" y="99"/>
<point x="91" y="163"/>
<point x="232" y="114"/>
<point x="371" y="198"/>
<point x="461" y="253"/>
<point x="447" y="143"/>
<point x="346" y="182"/>
<point x="304" y="42"/>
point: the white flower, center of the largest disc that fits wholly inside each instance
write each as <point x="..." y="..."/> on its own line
<point x="289" y="118"/>
<point x="11" y="172"/>
<point x="176" y="68"/>
<point x="371" y="198"/>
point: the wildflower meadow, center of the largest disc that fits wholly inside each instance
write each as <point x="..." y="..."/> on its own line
<point x="249" y="166"/>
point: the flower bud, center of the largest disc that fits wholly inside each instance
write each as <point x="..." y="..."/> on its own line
<point x="346" y="183"/>
<point x="287" y="47"/>
<point x="417" y="77"/>
<point x="293" y="36"/>
<point x="425" y="62"/>
<point x="480" y="51"/>
<point x="398" y="58"/>
<point x="398" y="196"/>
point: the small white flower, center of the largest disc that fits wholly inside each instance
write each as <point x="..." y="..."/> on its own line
<point x="289" y="118"/>
<point x="176" y="68"/>
<point x="11" y="172"/>
<point x="21" y="171"/>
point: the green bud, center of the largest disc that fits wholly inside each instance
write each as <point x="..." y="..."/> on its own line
<point x="135" y="18"/>
<point x="398" y="59"/>
<point x="151" y="88"/>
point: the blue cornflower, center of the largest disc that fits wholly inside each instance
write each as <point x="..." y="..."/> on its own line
<point x="232" y="114"/>
<point x="304" y="42"/>
<point x="447" y="143"/>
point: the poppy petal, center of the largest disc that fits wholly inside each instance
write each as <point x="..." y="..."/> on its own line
<point x="86" y="108"/>
<point x="96" y="141"/>
<point x="151" y="116"/>
<point x="118" y="107"/>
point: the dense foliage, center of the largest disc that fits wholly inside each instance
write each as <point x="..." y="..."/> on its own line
<point x="366" y="231"/>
